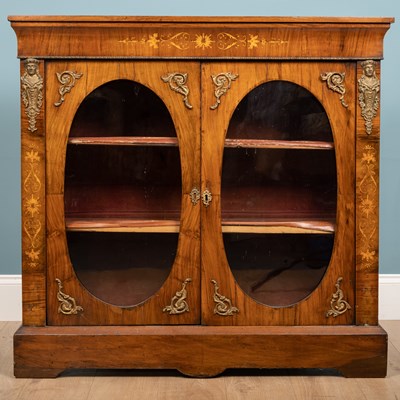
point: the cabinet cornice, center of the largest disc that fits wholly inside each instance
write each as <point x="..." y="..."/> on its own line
<point x="201" y="38"/>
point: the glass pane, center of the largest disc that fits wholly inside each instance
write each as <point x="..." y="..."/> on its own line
<point x="279" y="193"/>
<point x="136" y="182"/>
<point x="280" y="110"/>
<point x="278" y="270"/>
<point x="122" y="108"/>
<point x="278" y="183"/>
<point x="122" y="268"/>
<point x="122" y="193"/>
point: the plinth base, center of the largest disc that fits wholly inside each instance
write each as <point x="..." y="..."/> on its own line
<point x="355" y="351"/>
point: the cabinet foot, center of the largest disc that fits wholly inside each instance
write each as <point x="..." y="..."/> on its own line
<point x="369" y="368"/>
<point x="198" y="372"/>
<point x="32" y="372"/>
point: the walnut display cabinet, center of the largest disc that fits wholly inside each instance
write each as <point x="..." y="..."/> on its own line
<point x="200" y="194"/>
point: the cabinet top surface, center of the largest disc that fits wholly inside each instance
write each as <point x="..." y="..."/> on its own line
<point x="201" y="19"/>
<point x="152" y="37"/>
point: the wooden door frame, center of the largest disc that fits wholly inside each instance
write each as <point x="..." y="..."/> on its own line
<point x="93" y="311"/>
<point x="313" y="309"/>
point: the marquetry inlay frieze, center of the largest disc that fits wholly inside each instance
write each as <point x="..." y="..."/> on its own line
<point x="203" y="40"/>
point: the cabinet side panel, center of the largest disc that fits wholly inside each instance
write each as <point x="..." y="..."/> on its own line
<point x="33" y="193"/>
<point x="367" y="193"/>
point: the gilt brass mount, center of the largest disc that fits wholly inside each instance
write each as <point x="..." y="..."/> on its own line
<point x="335" y="82"/>
<point x="178" y="303"/>
<point x="223" y="82"/>
<point x="67" y="80"/>
<point x="67" y="303"/>
<point x="223" y="305"/>
<point x="338" y="304"/>
<point x="177" y="83"/>
<point x="368" y="94"/>
<point x="32" y="91"/>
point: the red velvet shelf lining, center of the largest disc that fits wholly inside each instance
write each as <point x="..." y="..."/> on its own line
<point x="240" y="206"/>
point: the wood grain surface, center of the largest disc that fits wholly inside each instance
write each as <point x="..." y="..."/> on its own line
<point x="252" y="384"/>
<point x="207" y="37"/>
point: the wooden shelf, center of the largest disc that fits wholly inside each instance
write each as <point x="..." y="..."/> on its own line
<point x="172" y="226"/>
<point x="173" y="141"/>
<point x="124" y="140"/>
<point x="121" y="225"/>
<point x="279" y="226"/>
<point x="279" y="144"/>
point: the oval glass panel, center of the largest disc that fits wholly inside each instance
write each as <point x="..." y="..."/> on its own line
<point x="278" y="193"/>
<point x="122" y="193"/>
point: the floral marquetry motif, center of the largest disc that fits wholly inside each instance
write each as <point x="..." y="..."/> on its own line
<point x="368" y="206"/>
<point x="203" y="41"/>
<point x="32" y="208"/>
<point x="180" y="40"/>
<point x="184" y="41"/>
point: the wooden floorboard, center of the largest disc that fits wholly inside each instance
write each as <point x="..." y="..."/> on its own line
<point x="170" y="385"/>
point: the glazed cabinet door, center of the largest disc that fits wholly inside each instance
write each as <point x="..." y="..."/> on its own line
<point x="123" y="219"/>
<point x="278" y="173"/>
